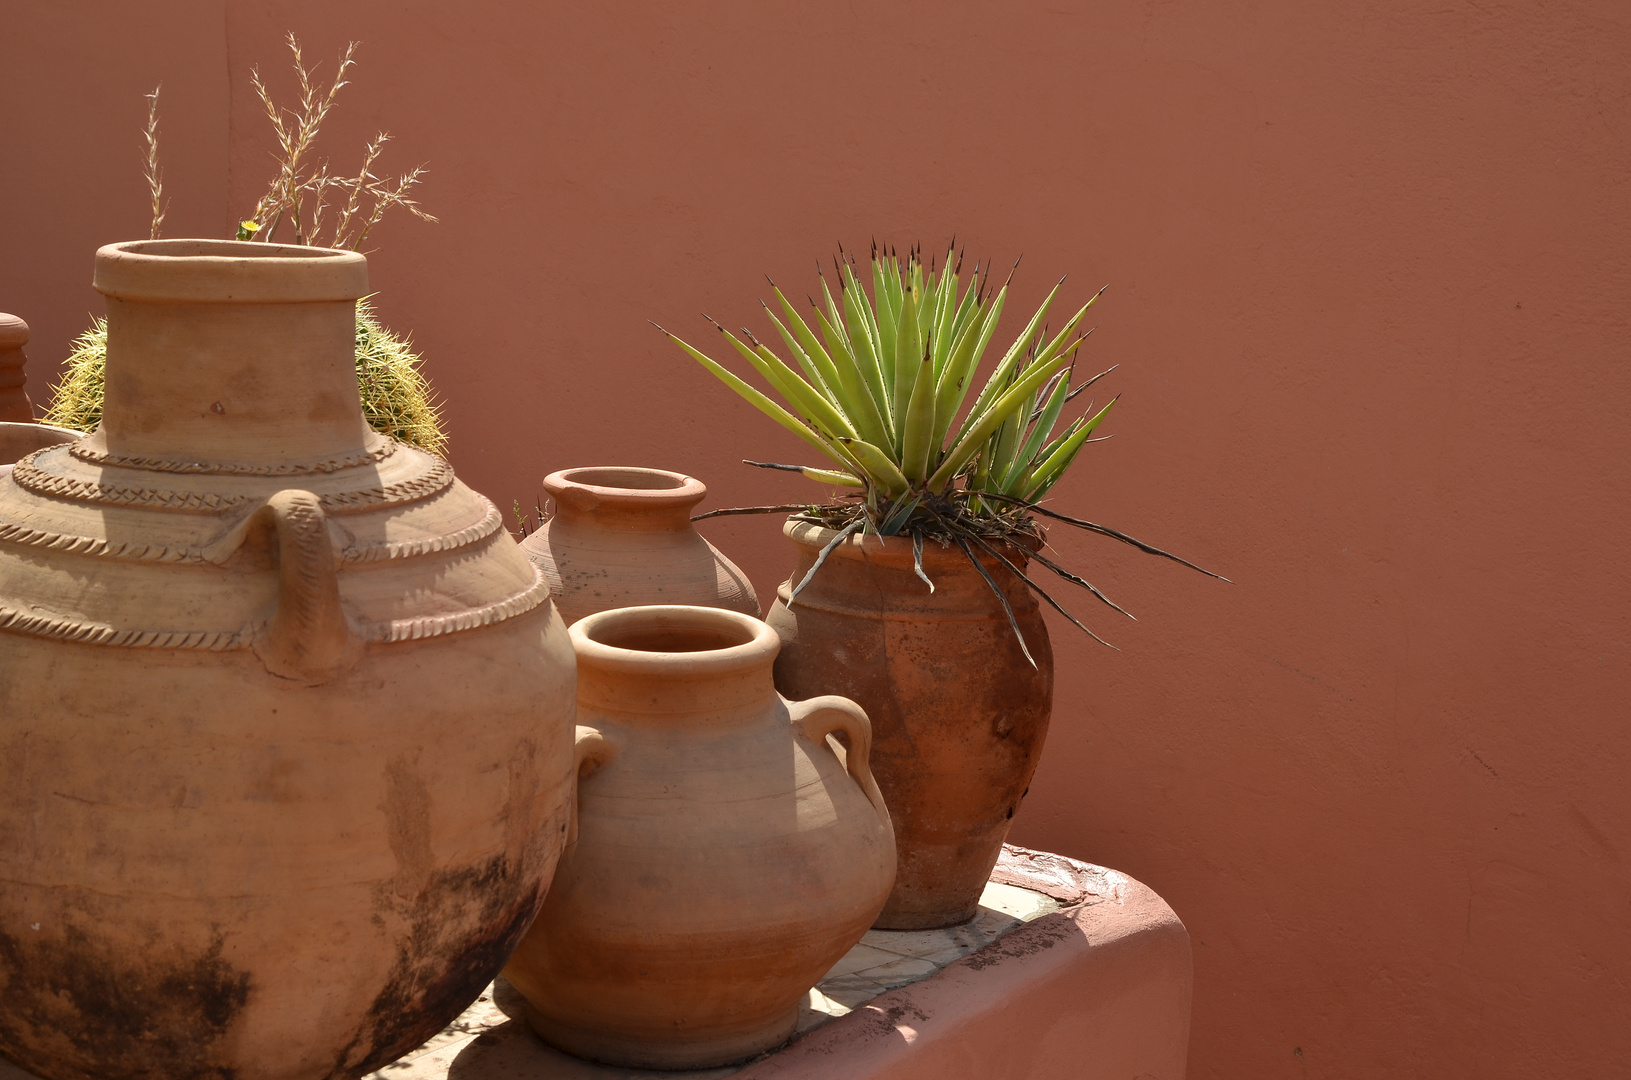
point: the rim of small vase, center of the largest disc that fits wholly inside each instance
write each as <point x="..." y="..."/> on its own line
<point x="627" y="487"/>
<point x="673" y="639"/>
<point x="229" y="271"/>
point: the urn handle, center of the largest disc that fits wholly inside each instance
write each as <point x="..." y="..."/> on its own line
<point x="308" y="637"/>
<point x="590" y="752"/>
<point x="819" y="717"/>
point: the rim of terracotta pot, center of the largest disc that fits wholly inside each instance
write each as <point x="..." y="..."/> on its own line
<point x="13" y="331"/>
<point x="32" y="437"/>
<point x="673" y="640"/>
<point x="229" y="271"/>
<point x="895" y="550"/>
<point x="624" y="487"/>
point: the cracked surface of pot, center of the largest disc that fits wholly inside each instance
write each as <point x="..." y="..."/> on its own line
<point x="727" y="854"/>
<point x="958" y="714"/>
<point x="285" y="714"/>
<point x="623" y="536"/>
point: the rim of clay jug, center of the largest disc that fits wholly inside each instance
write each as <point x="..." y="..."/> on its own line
<point x="623" y="487"/>
<point x="228" y="271"/>
<point x="629" y="641"/>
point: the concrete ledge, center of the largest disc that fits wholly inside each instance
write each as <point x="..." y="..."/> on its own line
<point x="1100" y="989"/>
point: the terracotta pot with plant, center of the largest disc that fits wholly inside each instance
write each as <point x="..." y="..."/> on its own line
<point x="911" y="594"/>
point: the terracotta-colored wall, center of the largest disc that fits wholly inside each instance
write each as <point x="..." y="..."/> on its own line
<point x="1370" y="302"/>
<point x="72" y="80"/>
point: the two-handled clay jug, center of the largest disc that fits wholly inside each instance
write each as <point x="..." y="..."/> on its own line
<point x="622" y="536"/>
<point x="726" y="855"/>
<point x="285" y="714"/>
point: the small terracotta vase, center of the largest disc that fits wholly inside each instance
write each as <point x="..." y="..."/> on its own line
<point x="622" y="537"/>
<point x="15" y="408"/>
<point x="723" y="861"/>
<point x="285" y="714"/>
<point x="958" y="714"/>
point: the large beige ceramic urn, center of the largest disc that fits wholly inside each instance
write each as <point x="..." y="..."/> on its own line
<point x="285" y="714"/>
<point x="726" y="853"/>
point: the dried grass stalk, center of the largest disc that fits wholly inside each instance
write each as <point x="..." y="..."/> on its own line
<point x="301" y="192"/>
<point x="150" y="163"/>
<point x="397" y="399"/>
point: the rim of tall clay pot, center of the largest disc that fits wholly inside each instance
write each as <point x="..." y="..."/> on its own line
<point x="627" y="489"/>
<point x="673" y="641"/>
<point x="898" y="549"/>
<point x="228" y="271"/>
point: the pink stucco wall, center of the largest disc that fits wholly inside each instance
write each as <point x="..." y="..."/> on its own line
<point x="1370" y="295"/>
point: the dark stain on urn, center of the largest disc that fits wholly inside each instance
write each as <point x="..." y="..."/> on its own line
<point x="81" y="1008"/>
<point x="462" y="929"/>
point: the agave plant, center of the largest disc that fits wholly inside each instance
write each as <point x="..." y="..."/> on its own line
<point x="880" y="385"/>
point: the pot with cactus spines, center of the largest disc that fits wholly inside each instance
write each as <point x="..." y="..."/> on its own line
<point x="397" y="399"/>
<point x="285" y="714"/>
<point x="910" y="593"/>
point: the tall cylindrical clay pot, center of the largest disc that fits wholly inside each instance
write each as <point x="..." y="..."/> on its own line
<point x="15" y="408"/>
<point x="285" y="714"/>
<point x="958" y="713"/>
<point x="622" y="537"/>
<point x="723" y="859"/>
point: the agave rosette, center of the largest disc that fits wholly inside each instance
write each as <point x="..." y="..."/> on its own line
<point x="880" y="385"/>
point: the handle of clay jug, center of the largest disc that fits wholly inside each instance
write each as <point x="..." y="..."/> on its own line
<point x="591" y="751"/>
<point x="308" y="637"/>
<point x="822" y="716"/>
